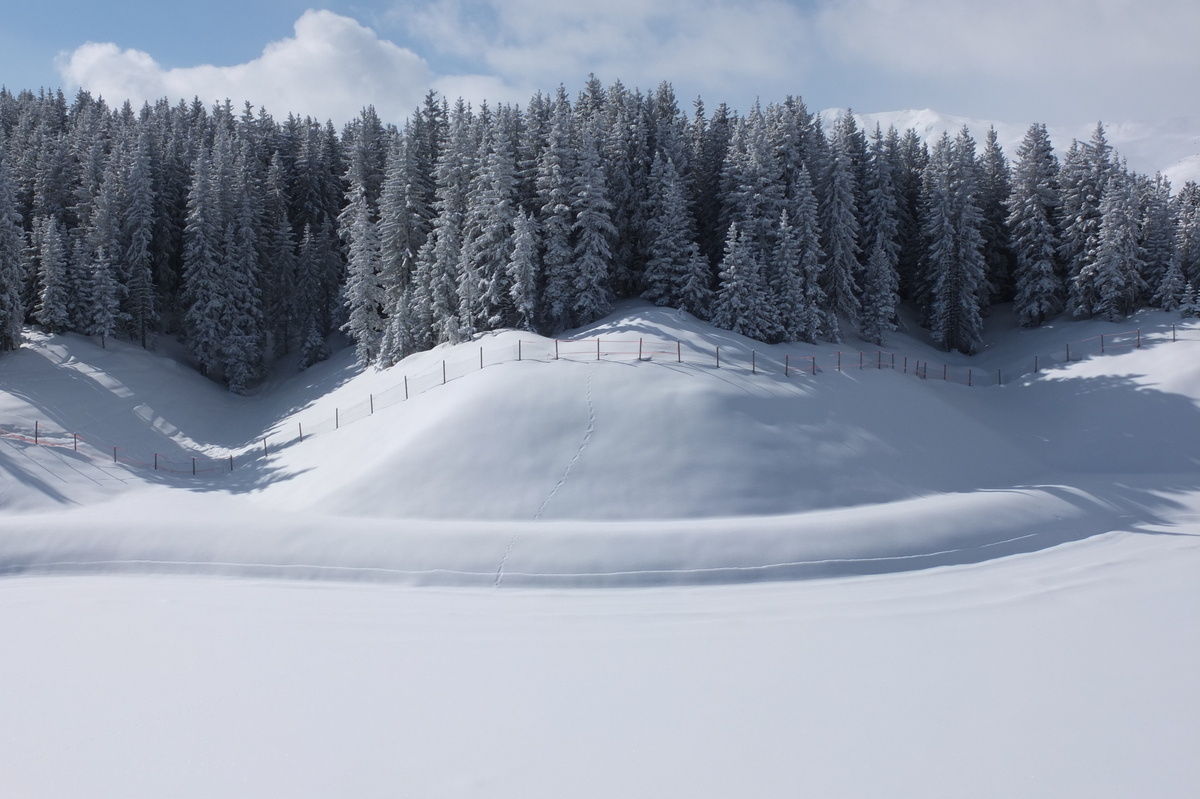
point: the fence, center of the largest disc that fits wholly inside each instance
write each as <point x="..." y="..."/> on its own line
<point x="640" y="349"/>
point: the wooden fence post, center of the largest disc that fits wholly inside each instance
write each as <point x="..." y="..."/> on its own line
<point x="300" y="425"/>
<point x="406" y="387"/>
<point x="156" y="461"/>
<point x="193" y="467"/>
<point x="678" y="351"/>
<point x="718" y="357"/>
<point x="787" y="362"/>
<point x="35" y="431"/>
<point x="443" y="373"/>
<point x="753" y="369"/>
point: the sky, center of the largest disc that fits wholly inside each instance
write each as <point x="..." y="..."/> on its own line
<point x="1055" y="61"/>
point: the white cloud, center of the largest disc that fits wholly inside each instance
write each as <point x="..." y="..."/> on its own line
<point x="717" y="47"/>
<point x="1089" y="57"/>
<point x="331" y="68"/>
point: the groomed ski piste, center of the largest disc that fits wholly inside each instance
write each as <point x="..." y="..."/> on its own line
<point x="608" y="565"/>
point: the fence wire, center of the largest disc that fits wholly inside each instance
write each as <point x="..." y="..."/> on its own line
<point x="735" y="359"/>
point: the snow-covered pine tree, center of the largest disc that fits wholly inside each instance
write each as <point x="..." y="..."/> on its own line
<point x="676" y="274"/>
<point x="1189" y="305"/>
<point x="402" y="231"/>
<point x="556" y="176"/>
<point x="105" y="298"/>
<point x="137" y="224"/>
<point x="879" y="295"/>
<point x="593" y="232"/>
<point x="995" y="187"/>
<point x="787" y="285"/>
<point x="1157" y="228"/>
<point x="483" y="297"/>
<point x="743" y="302"/>
<point x="1116" y="275"/>
<point x="1033" y="206"/>
<point x="203" y="293"/>
<point x="364" y="295"/>
<point x="880" y="276"/>
<point x="839" y="224"/>
<point x="1085" y="173"/>
<point x="241" y="343"/>
<point x="523" y="270"/>
<point x="12" y="309"/>
<point x="952" y="228"/>
<point x="1187" y="232"/>
<point x="437" y="263"/>
<point x="313" y="252"/>
<point x="1171" y="289"/>
<point x="53" y="290"/>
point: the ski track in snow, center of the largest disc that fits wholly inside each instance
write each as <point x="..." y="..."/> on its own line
<point x="587" y="437"/>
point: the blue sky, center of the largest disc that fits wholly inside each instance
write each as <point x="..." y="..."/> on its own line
<point x="1060" y="61"/>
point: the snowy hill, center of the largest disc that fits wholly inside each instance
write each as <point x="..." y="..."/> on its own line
<point x="1008" y="607"/>
<point x="1170" y="146"/>
<point x="767" y="465"/>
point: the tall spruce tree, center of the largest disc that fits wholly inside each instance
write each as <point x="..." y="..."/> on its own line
<point x="12" y="309"/>
<point x="1032" y="217"/>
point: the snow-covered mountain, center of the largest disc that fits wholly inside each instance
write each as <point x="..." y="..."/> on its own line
<point x="1170" y="145"/>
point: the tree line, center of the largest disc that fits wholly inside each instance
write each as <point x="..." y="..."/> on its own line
<point x="251" y="238"/>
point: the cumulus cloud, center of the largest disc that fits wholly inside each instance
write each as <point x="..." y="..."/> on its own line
<point x="330" y="69"/>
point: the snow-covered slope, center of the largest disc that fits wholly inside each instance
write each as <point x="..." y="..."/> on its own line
<point x="581" y="469"/>
<point x="1170" y="146"/>
<point x="1010" y="604"/>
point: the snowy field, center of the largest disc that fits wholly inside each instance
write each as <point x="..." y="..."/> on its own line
<point x="612" y="577"/>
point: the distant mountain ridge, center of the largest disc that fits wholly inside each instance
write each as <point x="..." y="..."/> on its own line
<point x="1170" y="145"/>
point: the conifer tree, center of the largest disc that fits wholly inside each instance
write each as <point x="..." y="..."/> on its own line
<point x="105" y="298"/>
<point x="995" y="187"/>
<point x="1172" y="288"/>
<point x="1114" y="279"/>
<point x="487" y="237"/>
<point x="53" y="290"/>
<point x="1157" y="228"/>
<point x="12" y="309"/>
<point x="952" y="228"/>
<point x="555" y="178"/>
<point x="203" y="294"/>
<point x="138" y="232"/>
<point x="523" y="270"/>
<point x="1033" y="204"/>
<point x="676" y="274"/>
<point x="742" y="303"/>
<point x="839" y="224"/>
<point x="593" y="231"/>
<point x="364" y="287"/>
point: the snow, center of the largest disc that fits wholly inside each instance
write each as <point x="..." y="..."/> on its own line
<point x="608" y="577"/>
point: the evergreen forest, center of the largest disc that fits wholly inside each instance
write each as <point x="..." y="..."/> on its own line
<point x="250" y="238"/>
